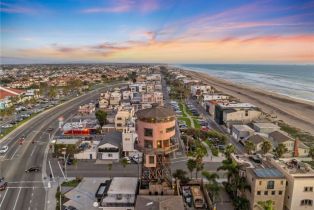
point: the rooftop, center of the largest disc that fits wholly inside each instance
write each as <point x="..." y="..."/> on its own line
<point x="145" y="202"/>
<point x="295" y="167"/>
<point x="237" y="105"/>
<point x="242" y="128"/>
<point x="267" y="173"/>
<point x="266" y="125"/>
<point x="123" y="185"/>
<point x="156" y="112"/>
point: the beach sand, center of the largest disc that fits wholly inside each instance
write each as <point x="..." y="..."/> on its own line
<point x="294" y="112"/>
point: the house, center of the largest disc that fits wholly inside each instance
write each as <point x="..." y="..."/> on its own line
<point x="151" y="98"/>
<point x="265" y="127"/>
<point x="86" y="109"/>
<point x="123" y="115"/>
<point x="129" y="137"/>
<point x="87" y="150"/>
<point x="115" y="98"/>
<point x="295" y="147"/>
<point x="121" y="194"/>
<point x="148" y="202"/>
<point x="240" y="132"/>
<point x="198" y="90"/>
<point x="109" y="147"/>
<point x="232" y="113"/>
<point x="258" y="140"/>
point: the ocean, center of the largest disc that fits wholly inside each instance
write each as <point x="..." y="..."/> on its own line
<point x="296" y="81"/>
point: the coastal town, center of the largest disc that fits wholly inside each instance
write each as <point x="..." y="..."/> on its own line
<point x="145" y="136"/>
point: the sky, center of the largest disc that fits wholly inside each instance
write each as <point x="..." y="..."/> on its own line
<point x="158" y="31"/>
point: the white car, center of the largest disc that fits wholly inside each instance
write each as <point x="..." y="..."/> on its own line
<point x="4" y="149"/>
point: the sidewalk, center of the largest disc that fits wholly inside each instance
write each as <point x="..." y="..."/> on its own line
<point x="210" y="157"/>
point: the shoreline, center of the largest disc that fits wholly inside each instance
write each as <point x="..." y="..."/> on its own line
<point x="295" y="112"/>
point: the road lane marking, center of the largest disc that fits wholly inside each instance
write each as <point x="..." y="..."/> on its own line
<point x="53" y="177"/>
<point x="61" y="169"/>
<point x="14" y="153"/>
<point x="33" y="151"/>
<point x="3" y="197"/>
<point x="25" y="187"/>
<point x="18" y="195"/>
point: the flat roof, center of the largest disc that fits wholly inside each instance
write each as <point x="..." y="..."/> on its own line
<point x="268" y="173"/>
<point x="242" y="127"/>
<point x="237" y="105"/>
<point x="266" y="125"/>
<point x="123" y="185"/>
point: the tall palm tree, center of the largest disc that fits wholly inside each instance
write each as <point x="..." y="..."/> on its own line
<point x="229" y="150"/>
<point x="212" y="186"/>
<point x="249" y="147"/>
<point x="191" y="165"/>
<point x="266" y="146"/>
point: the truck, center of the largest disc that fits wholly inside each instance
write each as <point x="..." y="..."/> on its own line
<point x="198" y="198"/>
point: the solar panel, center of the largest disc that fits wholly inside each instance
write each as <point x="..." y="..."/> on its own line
<point x="267" y="172"/>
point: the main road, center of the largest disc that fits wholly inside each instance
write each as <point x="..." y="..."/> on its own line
<point x="27" y="191"/>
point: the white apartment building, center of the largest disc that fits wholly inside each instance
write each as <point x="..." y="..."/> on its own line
<point x="123" y="115"/>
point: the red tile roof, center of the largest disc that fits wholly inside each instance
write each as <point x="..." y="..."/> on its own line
<point x="7" y="92"/>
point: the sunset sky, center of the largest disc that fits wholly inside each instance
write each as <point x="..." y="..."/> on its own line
<point x="163" y="31"/>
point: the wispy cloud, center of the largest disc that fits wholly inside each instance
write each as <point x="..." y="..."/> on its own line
<point x="122" y="6"/>
<point x="15" y="9"/>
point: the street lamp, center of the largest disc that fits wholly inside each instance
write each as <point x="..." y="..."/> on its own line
<point x="65" y="161"/>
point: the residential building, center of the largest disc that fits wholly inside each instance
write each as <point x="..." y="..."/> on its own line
<point x="295" y="147"/>
<point x="198" y="90"/>
<point x="257" y="140"/>
<point x="115" y="98"/>
<point x="236" y="113"/>
<point x="265" y="127"/>
<point x="87" y="150"/>
<point x="129" y="137"/>
<point x="86" y="109"/>
<point x="123" y="115"/>
<point x="266" y="182"/>
<point x="109" y="147"/>
<point x="299" y="193"/>
<point x="121" y="194"/>
<point x="240" y="132"/>
<point x="149" y="202"/>
<point x="151" y="98"/>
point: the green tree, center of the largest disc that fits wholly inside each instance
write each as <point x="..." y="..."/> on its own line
<point x="241" y="203"/>
<point x="280" y="150"/>
<point x="266" y="146"/>
<point x="52" y="93"/>
<point x="212" y="186"/>
<point x="266" y="205"/>
<point x="101" y="117"/>
<point x="181" y="175"/>
<point x="249" y="147"/>
<point x="199" y="167"/>
<point x="124" y="162"/>
<point x="229" y="150"/>
<point x="191" y="165"/>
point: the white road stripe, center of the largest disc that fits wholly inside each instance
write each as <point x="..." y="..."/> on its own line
<point x="61" y="169"/>
<point x="14" y="153"/>
<point x="33" y="151"/>
<point x="18" y="195"/>
<point x="3" y="197"/>
<point x="25" y="187"/>
<point x="53" y="177"/>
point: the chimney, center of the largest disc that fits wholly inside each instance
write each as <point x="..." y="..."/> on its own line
<point x="296" y="148"/>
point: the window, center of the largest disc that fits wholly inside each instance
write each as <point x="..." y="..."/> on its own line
<point x="273" y="192"/>
<point x="119" y="124"/>
<point x="306" y="202"/>
<point x="151" y="159"/>
<point x="119" y="118"/>
<point x="265" y="192"/>
<point x="280" y="192"/>
<point x="281" y="182"/>
<point x="148" y="132"/>
<point x="159" y="144"/>
<point x="308" y="189"/>
<point x="260" y="182"/>
<point x="148" y="144"/>
<point x="258" y="193"/>
<point x="246" y="113"/>
<point x="170" y="129"/>
<point x="109" y="155"/>
<point x="270" y="184"/>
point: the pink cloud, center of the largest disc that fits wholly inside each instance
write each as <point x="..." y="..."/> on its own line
<point x="121" y="6"/>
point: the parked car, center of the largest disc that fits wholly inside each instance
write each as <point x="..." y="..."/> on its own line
<point x="3" y="185"/>
<point x="4" y="149"/>
<point x="32" y="169"/>
<point x="50" y="129"/>
<point x="70" y="208"/>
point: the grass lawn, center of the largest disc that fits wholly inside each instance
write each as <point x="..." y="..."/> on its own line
<point x="181" y="109"/>
<point x="186" y="120"/>
<point x="196" y="123"/>
<point x="72" y="183"/>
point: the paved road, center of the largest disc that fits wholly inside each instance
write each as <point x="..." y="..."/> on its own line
<point x="28" y="191"/>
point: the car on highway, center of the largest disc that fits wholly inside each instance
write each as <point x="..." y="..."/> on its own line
<point x="50" y="129"/>
<point x="4" y="149"/>
<point x="32" y="169"/>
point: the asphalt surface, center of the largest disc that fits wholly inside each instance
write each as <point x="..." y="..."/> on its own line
<point x="28" y="190"/>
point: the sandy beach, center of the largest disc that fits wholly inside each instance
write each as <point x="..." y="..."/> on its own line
<point x="294" y="112"/>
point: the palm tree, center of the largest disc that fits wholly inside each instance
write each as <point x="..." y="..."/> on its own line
<point x="200" y="152"/>
<point x="191" y="165"/>
<point x="229" y="150"/>
<point x="280" y="150"/>
<point x="266" y="205"/>
<point x="242" y="185"/>
<point x="181" y="175"/>
<point x="249" y="147"/>
<point x="212" y="186"/>
<point x="266" y="146"/>
<point x="199" y="167"/>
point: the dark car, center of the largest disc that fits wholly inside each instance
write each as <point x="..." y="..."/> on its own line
<point x="50" y="129"/>
<point x="3" y="185"/>
<point x="32" y="169"/>
<point x="70" y="208"/>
